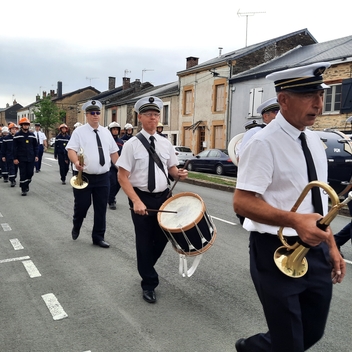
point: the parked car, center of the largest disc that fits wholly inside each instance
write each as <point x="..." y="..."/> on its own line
<point x="52" y="142"/>
<point x="183" y="154"/>
<point x="213" y="160"/>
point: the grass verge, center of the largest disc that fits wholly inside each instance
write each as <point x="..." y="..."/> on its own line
<point x="220" y="180"/>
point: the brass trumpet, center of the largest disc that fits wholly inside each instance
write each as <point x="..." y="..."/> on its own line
<point x="79" y="181"/>
<point x="291" y="259"/>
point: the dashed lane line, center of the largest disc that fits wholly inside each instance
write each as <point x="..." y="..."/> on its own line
<point x="6" y="227"/>
<point x="54" y="306"/>
<point x="227" y="222"/>
<point x="16" y="244"/>
<point x="31" y="269"/>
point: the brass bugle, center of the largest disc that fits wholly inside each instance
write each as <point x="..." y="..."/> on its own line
<point x="291" y="259"/>
<point x="79" y="181"/>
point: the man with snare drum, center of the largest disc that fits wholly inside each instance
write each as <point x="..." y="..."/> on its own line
<point x="146" y="186"/>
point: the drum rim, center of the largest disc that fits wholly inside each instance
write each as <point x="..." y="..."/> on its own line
<point x="188" y="227"/>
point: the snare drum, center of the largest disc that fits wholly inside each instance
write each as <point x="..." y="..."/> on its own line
<point x="191" y="230"/>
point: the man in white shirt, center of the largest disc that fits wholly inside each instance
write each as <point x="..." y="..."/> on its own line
<point x="42" y="145"/>
<point x="144" y="192"/>
<point x="99" y="150"/>
<point x="296" y="309"/>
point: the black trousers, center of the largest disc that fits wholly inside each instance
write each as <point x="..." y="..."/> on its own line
<point x="296" y="309"/>
<point x="96" y="191"/>
<point x="63" y="166"/>
<point x="150" y="239"/>
<point x="114" y="185"/>
<point x="38" y="164"/>
<point x="26" y="173"/>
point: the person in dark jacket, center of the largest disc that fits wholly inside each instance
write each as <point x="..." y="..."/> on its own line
<point x="128" y="129"/>
<point x="25" y="154"/>
<point x="60" y="152"/>
<point x="115" y="130"/>
<point x="7" y="155"/>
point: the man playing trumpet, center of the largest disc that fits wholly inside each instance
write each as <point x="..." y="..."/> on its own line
<point x="296" y="309"/>
<point x="99" y="149"/>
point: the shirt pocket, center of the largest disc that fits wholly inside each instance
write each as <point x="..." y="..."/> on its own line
<point x="165" y="157"/>
<point x="141" y="160"/>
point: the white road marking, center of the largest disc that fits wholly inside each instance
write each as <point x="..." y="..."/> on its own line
<point x="16" y="244"/>
<point x="46" y="163"/>
<point x="54" y="306"/>
<point x="348" y="261"/>
<point x="1" y="215"/>
<point x="6" y="227"/>
<point x="227" y="222"/>
<point x="53" y="159"/>
<point x="31" y="269"/>
<point x="13" y="259"/>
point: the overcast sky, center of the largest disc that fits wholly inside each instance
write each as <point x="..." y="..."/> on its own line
<point x="83" y="42"/>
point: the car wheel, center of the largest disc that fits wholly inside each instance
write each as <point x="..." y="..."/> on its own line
<point x="219" y="169"/>
<point x="190" y="166"/>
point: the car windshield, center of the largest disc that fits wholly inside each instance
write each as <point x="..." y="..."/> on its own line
<point x="184" y="149"/>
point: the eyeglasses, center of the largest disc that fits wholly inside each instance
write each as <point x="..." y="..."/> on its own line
<point x="94" y="113"/>
<point x="150" y="114"/>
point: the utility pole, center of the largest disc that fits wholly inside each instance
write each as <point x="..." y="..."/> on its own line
<point x="144" y="70"/>
<point x="246" y="14"/>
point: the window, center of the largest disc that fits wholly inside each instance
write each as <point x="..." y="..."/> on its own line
<point x="165" y="120"/>
<point x="188" y="101"/>
<point x="219" y="95"/>
<point x="255" y="99"/>
<point x="332" y="99"/>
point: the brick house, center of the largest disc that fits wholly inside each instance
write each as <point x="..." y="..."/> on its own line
<point x="205" y="96"/>
<point x="9" y="113"/>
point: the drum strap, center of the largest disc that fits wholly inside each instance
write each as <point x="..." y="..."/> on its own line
<point x="152" y="154"/>
<point x="183" y="269"/>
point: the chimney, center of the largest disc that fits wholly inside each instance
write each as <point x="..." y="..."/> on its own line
<point x="59" y="89"/>
<point x="191" y="61"/>
<point x="14" y="102"/>
<point x="52" y="93"/>
<point x="112" y="83"/>
<point x="44" y="94"/>
<point x="37" y="98"/>
<point x="126" y="83"/>
<point x="137" y="85"/>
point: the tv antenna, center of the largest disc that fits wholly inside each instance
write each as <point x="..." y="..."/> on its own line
<point x="90" y="79"/>
<point x="126" y="72"/>
<point x="246" y="14"/>
<point x="144" y="70"/>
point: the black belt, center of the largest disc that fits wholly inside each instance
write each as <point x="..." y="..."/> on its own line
<point x="289" y="239"/>
<point x="151" y="194"/>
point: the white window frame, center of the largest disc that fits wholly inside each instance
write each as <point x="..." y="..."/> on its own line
<point x="333" y="99"/>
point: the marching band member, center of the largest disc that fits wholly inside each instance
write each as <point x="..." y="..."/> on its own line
<point x="146" y="186"/>
<point x="296" y="309"/>
<point x="99" y="149"/>
<point x="60" y="152"/>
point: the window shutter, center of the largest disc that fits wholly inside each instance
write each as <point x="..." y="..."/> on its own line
<point x="346" y="103"/>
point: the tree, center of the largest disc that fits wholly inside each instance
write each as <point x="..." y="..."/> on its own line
<point x="48" y="114"/>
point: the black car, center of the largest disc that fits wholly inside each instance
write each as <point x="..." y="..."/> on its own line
<point x="213" y="160"/>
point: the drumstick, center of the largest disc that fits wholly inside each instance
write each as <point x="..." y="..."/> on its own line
<point x="173" y="186"/>
<point x="160" y="211"/>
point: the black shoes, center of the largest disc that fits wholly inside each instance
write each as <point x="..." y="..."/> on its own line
<point x="6" y="180"/>
<point x="24" y="193"/>
<point x="75" y="233"/>
<point x="13" y="183"/>
<point x="149" y="296"/>
<point x="102" y="244"/>
<point x="240" y="345"/>
<point x="112" y="205"/>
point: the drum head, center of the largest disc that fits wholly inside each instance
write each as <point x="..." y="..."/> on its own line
<point x="190" y="210"/>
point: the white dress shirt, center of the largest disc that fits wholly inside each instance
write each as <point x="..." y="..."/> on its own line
<point x="135" y="159"/>
<point x="85" y="138"/>
<point x="39" y="135"/>
<point x="273" y="166"/>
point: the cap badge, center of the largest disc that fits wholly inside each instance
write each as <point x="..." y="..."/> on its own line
<point x="319" y="71"/>
<point x="93" y="102"/>
<point x="151" y="100"/>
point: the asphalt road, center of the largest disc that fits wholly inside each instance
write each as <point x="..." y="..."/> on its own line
<point x="60" y="295"/>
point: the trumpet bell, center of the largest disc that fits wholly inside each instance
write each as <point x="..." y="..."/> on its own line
<point x="79" y="182"/>
<point x="233" y="147"/>
<point x="292" y="262"/>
